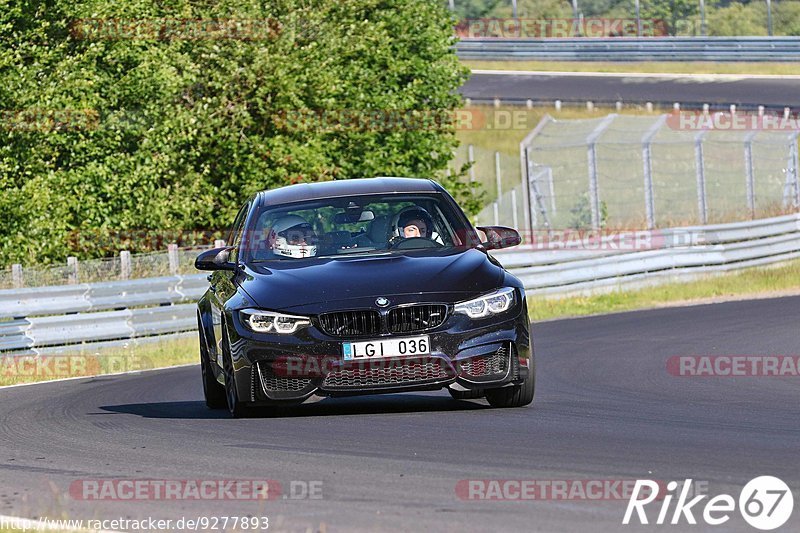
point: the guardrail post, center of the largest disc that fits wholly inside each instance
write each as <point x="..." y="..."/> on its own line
<point x="497" y="177"/>
<point x="72" y="265"/>
<point x="172" y="252"/>
<point x="750" y="175"/>
<point x="700" y="169"/>
<point x="125" y="264"/>
<point x="16" y="275"/>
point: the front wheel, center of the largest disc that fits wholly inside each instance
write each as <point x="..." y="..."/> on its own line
<point x="213" y="392"/>
<point x="236" y="407"/>
<point x="516" y="396"/>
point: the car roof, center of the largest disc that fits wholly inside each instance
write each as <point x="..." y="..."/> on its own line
<point x="349" y="187"/>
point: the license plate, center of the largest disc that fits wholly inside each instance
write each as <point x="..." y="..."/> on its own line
<point x="383" y="349"/>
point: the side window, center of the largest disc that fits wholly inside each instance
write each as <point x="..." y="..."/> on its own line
<point x="237" y="231"/>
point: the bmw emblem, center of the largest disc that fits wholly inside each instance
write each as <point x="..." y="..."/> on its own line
<point x="382" y="302"/>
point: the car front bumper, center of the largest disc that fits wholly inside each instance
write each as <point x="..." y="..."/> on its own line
<point x="464" y="354"/>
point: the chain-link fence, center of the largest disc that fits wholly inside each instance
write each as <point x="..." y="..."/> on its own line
<point x="175" y="261"/>
<point x="633" y="172"/>
<point x="498" y="177"/>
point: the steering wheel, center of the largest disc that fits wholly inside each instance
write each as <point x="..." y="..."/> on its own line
<point x="415" y="242"/>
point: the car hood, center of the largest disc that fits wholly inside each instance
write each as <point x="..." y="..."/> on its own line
<point x="323" y="284"/>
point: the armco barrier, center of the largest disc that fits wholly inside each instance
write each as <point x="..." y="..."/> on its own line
<point x="633" y="49"/>
<point x="45" y="319"/>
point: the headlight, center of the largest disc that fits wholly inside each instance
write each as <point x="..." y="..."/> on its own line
<point x="491" y="304"/>
<point x="269" y="322"/>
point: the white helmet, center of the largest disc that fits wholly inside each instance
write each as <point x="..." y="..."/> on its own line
<point x="292" y="236"/>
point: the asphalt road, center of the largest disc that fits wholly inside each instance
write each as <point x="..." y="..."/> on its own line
<point x="606" y="409"/>
<point x="774" y="93"/>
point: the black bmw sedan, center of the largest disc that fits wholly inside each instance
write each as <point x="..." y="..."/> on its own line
<point x="361" y="286"/>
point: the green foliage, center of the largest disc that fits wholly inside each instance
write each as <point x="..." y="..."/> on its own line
<point x="673" y="12"/>
<point x="178" y="131"/>
<point x="738" y="19"/>
<point x="582" y="214"/>
<point x="786" y="18"/>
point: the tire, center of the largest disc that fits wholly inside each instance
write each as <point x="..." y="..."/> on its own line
<point x="236" y="407"/>
<point x="516" y="396"/>
<point x="213" y="392"/>
<point x="472" y="394"/>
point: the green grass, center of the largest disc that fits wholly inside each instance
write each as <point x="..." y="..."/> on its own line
<point x="699" y="67"/>
<point x="29" y="369"/>
<point x="756" y="282"/>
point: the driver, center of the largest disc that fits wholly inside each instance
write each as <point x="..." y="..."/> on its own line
<point x="292" y="236"/>
<point x="415" y="223"/>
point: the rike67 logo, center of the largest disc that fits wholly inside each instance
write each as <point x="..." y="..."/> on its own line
<point x="765" y="503"/>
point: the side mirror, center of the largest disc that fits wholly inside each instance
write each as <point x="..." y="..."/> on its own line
<point x="499" y="237"/>
<point x="215" y="259"/>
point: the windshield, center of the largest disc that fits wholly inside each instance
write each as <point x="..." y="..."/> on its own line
<point x="357" y="225"/>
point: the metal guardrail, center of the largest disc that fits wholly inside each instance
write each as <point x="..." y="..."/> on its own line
<point x="633" y="49"/>
<point x="86" y="297"/>
<point x="40" y="320"/>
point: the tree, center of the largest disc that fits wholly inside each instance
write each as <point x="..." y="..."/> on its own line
<point x="176" y="128"/>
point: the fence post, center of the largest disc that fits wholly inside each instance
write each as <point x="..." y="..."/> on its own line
<point x="649" y="196"/>
<point x="72" y="265"/>
<point x="16" y="275"/>
<point x="471" y="160"/>
<point x="750" y="176"/>
<point x="700" y="169"/>
<point x="591" y="154"/>
<point x="552" y="189"/>
<point x="497" y="177"/>
<point x="219" y="243"/>
<point x="172" y="251"/>
<point x="525" y="174"/>
<point x="125" y="264"/>
<point x="514" y="208"/>
<point x="496" y="212"/>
